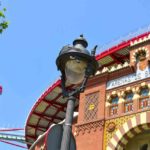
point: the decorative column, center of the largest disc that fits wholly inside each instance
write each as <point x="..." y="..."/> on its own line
<point x="121" y="103"/>
<point x="136" y="97"/>
<point x="107" y="106"/>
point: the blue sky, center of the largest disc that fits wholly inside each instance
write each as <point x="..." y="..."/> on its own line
<point x="37" y="32"/>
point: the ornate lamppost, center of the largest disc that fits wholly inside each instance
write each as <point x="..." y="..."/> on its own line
<point x="76" y="65"/>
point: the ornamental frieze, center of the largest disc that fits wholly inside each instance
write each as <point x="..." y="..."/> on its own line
<point x="89" y="127"/>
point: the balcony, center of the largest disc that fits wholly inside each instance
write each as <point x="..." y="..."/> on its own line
<point x="128" y="106"/>
<point x="144" y="102"/>
<point x="114" y="109"/>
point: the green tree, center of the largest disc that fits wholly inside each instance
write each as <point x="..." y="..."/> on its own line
<point x="3" y="22"/>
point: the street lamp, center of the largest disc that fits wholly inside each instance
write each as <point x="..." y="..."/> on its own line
<point x="76" y="65"/>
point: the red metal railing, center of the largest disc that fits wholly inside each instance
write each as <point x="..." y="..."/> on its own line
<point x="113" y="109"/>
<point x="144" y="102"/>
<point x="128" y="106"/>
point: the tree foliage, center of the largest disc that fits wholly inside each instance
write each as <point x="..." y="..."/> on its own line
<point x="3" y="22"/>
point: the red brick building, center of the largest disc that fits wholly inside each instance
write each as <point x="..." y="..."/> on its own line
<point x="114" y="110"/>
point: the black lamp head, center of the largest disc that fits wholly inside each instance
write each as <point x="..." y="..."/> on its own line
<point x="78" y="56"/>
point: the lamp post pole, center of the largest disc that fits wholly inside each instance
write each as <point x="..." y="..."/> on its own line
<point x="76" y="65"/>
<point x="67" y="129"/>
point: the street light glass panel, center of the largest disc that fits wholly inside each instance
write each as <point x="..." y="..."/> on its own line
<point x="75" y="70"/>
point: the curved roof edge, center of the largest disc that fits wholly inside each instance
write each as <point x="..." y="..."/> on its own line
<point x="51" y="107"/>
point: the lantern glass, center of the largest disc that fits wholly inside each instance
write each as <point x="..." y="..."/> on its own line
<point x="75" y="70"/>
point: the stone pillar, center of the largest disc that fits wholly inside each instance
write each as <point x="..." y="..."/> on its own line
<point x="120" y="104"/>
<point x="136" y="99"/>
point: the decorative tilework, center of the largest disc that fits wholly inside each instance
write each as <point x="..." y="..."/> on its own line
<point x="91" y="106"/>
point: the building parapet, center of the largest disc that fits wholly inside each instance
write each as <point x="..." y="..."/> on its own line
<point x="113" y="68"/>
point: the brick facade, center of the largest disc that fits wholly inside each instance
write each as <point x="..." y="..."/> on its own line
<point x="89" y="137"/>
<point x="110" y="117"/>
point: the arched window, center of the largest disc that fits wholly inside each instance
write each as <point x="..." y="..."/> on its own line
<point x="115" y="100"/>
<point x="144" y="92"/>
<point x="129" y="96"/>
<point x="140" y="55"/>
<point x="144" y="100"/>
<point x="114" y="106"/>
<point x="128" y="105"/>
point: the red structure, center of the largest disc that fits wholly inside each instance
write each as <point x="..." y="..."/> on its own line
<point x="10" y="135"/>
<point x="114" y="110"/>
<point x="1" y="89"/>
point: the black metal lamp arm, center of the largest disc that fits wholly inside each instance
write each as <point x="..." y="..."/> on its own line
<point x="64" y="91"/>
<point x="80" y="89"/>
